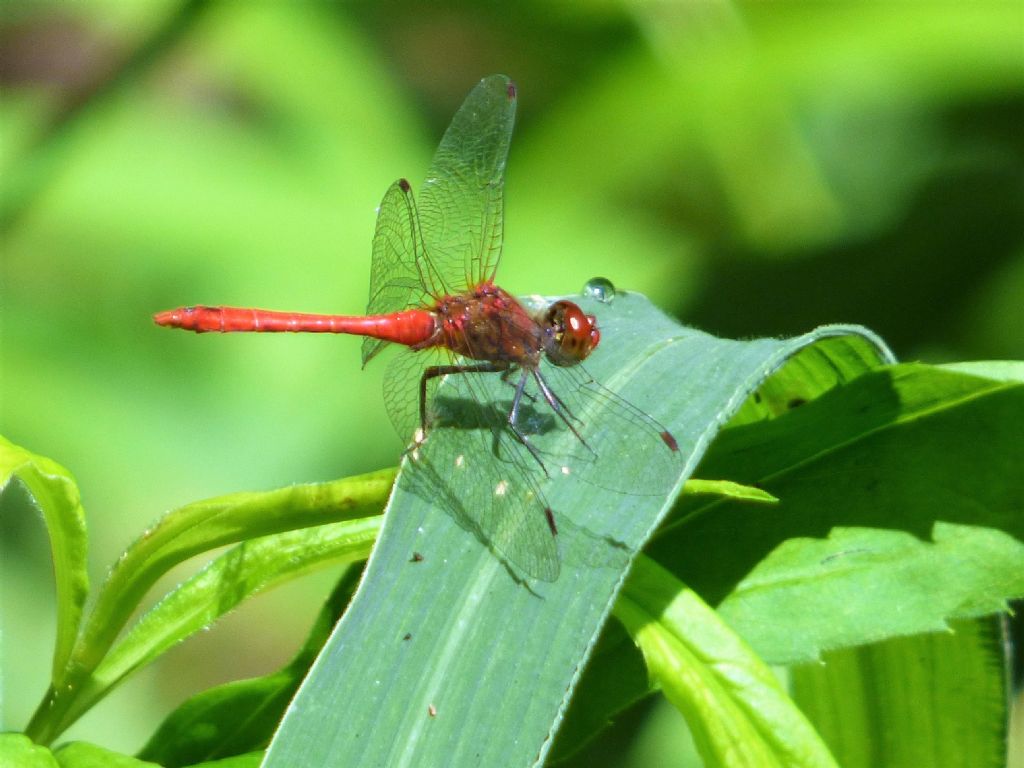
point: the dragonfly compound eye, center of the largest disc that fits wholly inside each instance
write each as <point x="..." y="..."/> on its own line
<point x="573" y="334"/>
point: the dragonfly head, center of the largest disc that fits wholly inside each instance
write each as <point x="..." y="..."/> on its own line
<point x="571" y="334"/>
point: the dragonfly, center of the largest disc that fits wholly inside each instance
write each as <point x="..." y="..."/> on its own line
<point x="433" y="293"/>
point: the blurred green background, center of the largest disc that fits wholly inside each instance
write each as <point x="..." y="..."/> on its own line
<point x="757" y="169"/>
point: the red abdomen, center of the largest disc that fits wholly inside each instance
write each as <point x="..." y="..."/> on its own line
<point x="410" y="327"/>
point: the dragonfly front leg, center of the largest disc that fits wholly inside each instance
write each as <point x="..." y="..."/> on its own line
<point x="560" y="408"/>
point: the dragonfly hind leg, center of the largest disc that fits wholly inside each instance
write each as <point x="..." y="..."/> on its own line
<point x="444" y="370"/>
<point x="503" y="367"/>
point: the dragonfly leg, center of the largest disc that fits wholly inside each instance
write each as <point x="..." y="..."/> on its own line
<point x="505" y="379"/>
<point x="504" y="368"/>
<point x="560" y="408"/>
<point x="513" y="418"/>
<point x="444" y="370"/>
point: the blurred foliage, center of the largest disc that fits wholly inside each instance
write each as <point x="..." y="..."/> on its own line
<point x="756" y="168"/>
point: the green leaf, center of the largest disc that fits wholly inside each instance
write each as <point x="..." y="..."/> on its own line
<point x="205" y="525"/>
<point x="17" y="749"/>
<point x="1000" y="370"/>
<point x="615" y="678"/>
<point x="738" y="712"/>
<point x="900" y="510"/>
<point x="191" y="530"/>
<point x="726" y="489"/>
<point x="54" y="491"/>
<point x="245" y="570"/>
<point x="250" y="760"/>
<point x="939" y="699"/>
<point x="492" y="661"/>
<point x="809" y="373"/>
<point x="209" y="726"/>
<point x="81" y="754"/>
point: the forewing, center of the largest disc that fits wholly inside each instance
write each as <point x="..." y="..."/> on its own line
<point x="395" y="282"/>
<point x="461" y="201"/>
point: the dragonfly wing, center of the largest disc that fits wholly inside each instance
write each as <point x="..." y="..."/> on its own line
<point x="469" y="462"/>
<point x="402" y="387"/>
<point x="497" y="493"/>
<point x="395" y="281"/>
<point x="623" y="449"/>
<point x="489" y="505"/>
<point x="461" y="202"/>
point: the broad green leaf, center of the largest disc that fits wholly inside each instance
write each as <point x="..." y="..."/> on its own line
<point x="81" y="754"/>
<point x="900" y="489"/>
<point x="809" y="373"/>
<point x="209" y="726"/>
<point x="492" y="661"/>
<point x="738" y="712"/>
<point x="939" y="699"/>
<point x="188" y="531"/>
<point x="55" y="493"/>
<point x="17" y="749"/>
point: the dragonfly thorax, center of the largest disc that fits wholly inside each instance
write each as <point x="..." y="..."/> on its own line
<point x="570" y="334"/>
<point x="487" y="323"/>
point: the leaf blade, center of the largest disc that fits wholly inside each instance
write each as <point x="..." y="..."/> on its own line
<point x="738" y="712"/>
<point x="56" y="494"/>
<point x="867" y="701"/>
<point x="496" y="661"/>
<point x="901" y="485"/>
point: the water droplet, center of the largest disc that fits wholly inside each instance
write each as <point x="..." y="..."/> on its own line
<point x="600" y="288"/>
<point x="501" y="488"/>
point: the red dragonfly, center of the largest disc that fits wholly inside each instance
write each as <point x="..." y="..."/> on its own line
<point x="432" y="290"/>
